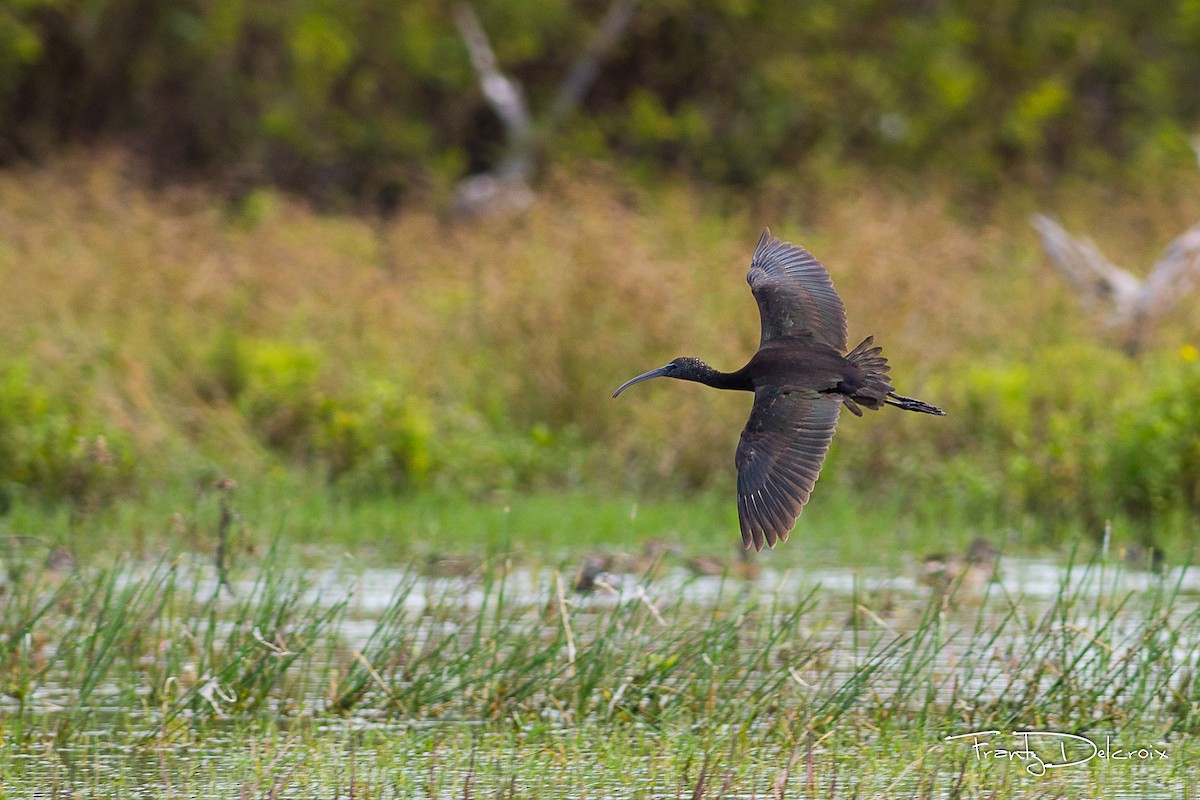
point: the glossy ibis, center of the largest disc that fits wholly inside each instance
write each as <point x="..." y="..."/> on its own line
<point x="801" y="377"/>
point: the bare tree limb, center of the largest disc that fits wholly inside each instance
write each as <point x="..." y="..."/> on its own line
<point x="1132" y="304"/>
<point x="1177" y="273"/>
<point x="1097" y="280"/>
<point x="583" y="73"/>
<point x="506" y="187"/>
<point x="502" y="93"/>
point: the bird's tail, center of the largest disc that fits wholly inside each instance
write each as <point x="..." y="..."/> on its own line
<point x="910" y="404"/>
<point x="871" y="361"/>
<point x="877" y="386"/>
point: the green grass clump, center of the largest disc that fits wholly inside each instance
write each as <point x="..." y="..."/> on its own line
<point x="456" y="683"/>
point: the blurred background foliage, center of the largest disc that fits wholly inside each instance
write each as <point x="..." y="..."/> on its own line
<point x="174" y="305"/>
<point x="378" y="102"/>
<point x="161" y="333"/>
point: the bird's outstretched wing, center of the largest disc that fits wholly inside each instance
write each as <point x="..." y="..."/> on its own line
<point x="795" y="294"/>
<point x="779" y="457"/>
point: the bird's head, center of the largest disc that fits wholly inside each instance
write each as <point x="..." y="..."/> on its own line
<point x="683" y="368"/>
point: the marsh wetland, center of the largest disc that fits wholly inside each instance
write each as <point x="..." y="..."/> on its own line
<point x="300" y="504"/>
<point x="284" y="679"/>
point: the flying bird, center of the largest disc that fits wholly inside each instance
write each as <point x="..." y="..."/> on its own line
<point x="801" y="377"/>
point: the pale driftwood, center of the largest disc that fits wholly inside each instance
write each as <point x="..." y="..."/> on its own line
<point x="507" y="187"/>
<point x="1131" y="304"/>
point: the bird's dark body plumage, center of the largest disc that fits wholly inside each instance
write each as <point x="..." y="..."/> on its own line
<point x="801" y="377"/>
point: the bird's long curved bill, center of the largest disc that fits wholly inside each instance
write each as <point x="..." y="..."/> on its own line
<point x="654" y="373"/>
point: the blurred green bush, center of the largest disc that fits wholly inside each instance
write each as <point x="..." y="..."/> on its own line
<point x="369" y="434"/>
<point x="160" y="337"/>
<point x="378" y="100"/>
<point x="1075" y="433"/>
<point x="54" y="447"/>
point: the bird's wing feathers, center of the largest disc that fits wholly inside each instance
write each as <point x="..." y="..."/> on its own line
<point x="795" y="294"/>
<point x="779" y="457"/>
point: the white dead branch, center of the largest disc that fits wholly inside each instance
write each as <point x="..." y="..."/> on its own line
<point x="506" y="188"/>
<point x="1131" y="304"/>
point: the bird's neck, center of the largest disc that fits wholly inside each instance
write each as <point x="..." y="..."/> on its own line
<point x="705" y="374"/>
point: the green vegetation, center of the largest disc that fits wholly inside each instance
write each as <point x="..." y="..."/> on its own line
<point x="161" y="340"/>
<point x="378" y="100"/>
<point x="149" y="676"/>
<point x="210" y="390"/>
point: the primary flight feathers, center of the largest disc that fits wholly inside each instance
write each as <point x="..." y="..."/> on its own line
<point x="801" y="377"/>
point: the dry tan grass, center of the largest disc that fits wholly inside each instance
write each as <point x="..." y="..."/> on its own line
<point x="119" y="292"/>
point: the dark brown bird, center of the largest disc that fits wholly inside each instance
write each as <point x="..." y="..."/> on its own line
<point x="801" y="377"/>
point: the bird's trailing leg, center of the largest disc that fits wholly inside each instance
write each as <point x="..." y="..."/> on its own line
<point x="910" y="404"/>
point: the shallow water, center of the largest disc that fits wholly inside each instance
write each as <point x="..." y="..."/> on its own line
<point x="1025" y="580"/>
<point x="852" y="612"/>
